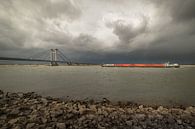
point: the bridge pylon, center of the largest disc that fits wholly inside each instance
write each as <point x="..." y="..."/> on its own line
<point x="53" y="57"/>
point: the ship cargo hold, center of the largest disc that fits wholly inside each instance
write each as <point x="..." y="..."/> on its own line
<point x="165" y="65"/>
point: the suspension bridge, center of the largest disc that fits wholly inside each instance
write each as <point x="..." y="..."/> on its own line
<point x="52" y="56"/>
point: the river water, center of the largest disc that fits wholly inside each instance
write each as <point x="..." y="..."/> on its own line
<point x="143" y="85"/>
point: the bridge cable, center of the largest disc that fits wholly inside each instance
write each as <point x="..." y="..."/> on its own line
<point x="62" y="58"/>
<point x="65" y="56"/>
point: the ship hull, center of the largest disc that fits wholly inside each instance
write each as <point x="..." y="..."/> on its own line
<point x="141" y="65"/>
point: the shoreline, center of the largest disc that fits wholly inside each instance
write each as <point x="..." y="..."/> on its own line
<point x="29" y="110"/>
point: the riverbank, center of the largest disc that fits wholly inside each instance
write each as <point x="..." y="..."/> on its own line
<point x="31" y="111"/>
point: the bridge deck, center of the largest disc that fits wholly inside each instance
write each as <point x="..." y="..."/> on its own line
<point x="26" y="59"/>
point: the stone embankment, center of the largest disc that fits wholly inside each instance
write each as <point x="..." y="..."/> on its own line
<point x="31" y="111"/>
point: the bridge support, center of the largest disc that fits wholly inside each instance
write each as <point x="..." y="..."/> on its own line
<point x="53" y="57"/>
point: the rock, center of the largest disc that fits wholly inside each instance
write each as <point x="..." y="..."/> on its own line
<point x="22" y="120"/>
<point x="30" y="125"/>
<point x="81" y="109"/>
<point x="44" y="120"/>
<point x="49" y="128"/>
<point x="54" y="119"/>
<point x="137" y="127"/>
<point x="14" y="111"/>
<point x="25" y="113"/>
<point x="140" y="116"/>
<point x="160" y="108"/>
<point x="90" y="116"/>
<point x="31" y="95"/>
<point x="12" y="121"/>
<point x="190" y="109"/>
<point x="12" y="95"/>
<point x="171" y="120"/>
<point x="41" y="126"/>
<point x="1" y="92"/>
<point x="56" y="113"/>
<point x="3" y="117"/>
<point x="82" y="118"/>
<point x="105" y="100"/>
<point x="105" y="113"/>
<point x="129" y="123"/>
<point x="121" y="110"/>
<point x="130" y="111"/>
<point x="61" y="125"/>
<point x="49" y="98"/>
<point x="149" y="109"/>
<point x="160" y="117"/>
<point x="24" y="108"/>
<point x="101" y="127"/>
<point x="1" y="96"/>
<point x="187" y="112"/>
<point x="141" y="107"/>
<point x="33" y="118"/>
<point x="176" y="111"/>
<point x="150" y="116"/>
<point x="189" y="127"/>
<point x="179" y="122"/>
<point x="17" y="127"/>
<point x="44" y="101"/>
<point x="93" y="108"/>
<point x="31" y="111"/>
<point x="21" y="95"/>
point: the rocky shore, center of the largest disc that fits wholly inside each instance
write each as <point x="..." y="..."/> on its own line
<point x="31" y="111"/>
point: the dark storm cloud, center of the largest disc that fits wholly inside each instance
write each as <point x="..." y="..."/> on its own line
<point x="185" y="10"/>
<point x="8" y="39"/>
<point x="56" y="9"/>
<point x="22" y="23"/>
<point x="86" y="43"/>
<point x="126" y="32"/>
<point x="100" y="30"/>
<point x="180" y="10"/>
<point x="177" y="33"/>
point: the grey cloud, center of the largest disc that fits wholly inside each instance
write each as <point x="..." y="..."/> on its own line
<point x="185" y="10"/>
<point x="10" y="36"/>
<point x="87" y="43"/>
<point x="180" y="10"/>
<point x="36" y="25"/>
<point x="127" y="32"/>
<point x="176" y="37"/>
<point x="80" y="43"/>
<point x="56" y="38"/>
<point x="24" y="22"/>
<point x="56" y="9"/>
<point x="46" y="8"/>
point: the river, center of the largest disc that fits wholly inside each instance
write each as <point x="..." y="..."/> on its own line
<point x="164" y="86"/>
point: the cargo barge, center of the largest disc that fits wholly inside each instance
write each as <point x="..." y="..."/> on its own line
<point x="165" y="65"/>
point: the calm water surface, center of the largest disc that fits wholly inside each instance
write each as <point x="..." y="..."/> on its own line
<point x="143" y="85"/>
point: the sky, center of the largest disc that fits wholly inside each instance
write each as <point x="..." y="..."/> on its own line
<point x="100" y="31"/>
